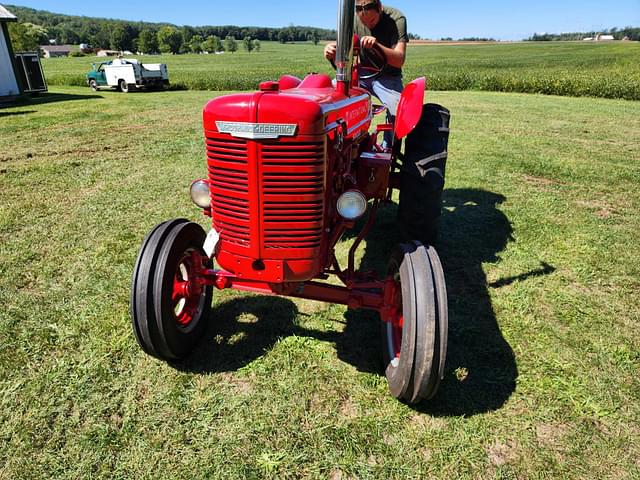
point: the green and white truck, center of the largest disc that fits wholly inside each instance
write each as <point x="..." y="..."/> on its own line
<point x="127" y="75"/>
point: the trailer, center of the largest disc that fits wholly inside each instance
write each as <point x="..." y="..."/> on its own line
<point x="127" y="75"/>
<point x="29" y="72"/>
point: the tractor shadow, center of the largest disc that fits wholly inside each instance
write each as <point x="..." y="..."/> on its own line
<point x="240" y="330"/>
<point x="480" y="371"/>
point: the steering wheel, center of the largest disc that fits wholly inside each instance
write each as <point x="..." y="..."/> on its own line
<point x="374" y="57"/>
<point x="375" y="61"/>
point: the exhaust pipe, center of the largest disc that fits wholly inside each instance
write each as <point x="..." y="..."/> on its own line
<point x="344" y="48"/>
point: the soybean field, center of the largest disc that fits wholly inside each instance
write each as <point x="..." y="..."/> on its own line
<point x="609" y="70"/>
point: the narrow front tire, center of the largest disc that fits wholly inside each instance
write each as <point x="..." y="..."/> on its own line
<point x="415" y="340"/>
<point x="169" y="301"/>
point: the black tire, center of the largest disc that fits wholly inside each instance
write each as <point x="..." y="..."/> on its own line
<point x="414" y="354"/>
<point x="141" y="303"/>
<point x="123" y="86"/>
<point x="162" y="327"/>
<point x="93" y="84"/>
<point x="399" y="344"/>
<point x="443" y="312"/>
<point x="422" y="177"/>
<point x="419" y="208"/>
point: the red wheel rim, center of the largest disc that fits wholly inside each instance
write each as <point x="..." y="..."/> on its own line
<point x="188" y="292"/>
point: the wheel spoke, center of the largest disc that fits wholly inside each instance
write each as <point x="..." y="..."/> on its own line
<point x="187" y="292"/>
<point x="180" y="290"/>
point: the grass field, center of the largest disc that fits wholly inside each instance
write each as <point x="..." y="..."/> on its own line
<point x="609" y="70"/>
<point x="539" y="243"/>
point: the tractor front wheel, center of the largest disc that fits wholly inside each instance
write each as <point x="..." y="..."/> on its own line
<point x="415" y="339"/>
<point x="169" y="302"/>
<point x="93" y="84"/>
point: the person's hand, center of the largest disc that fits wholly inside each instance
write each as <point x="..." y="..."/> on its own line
<point x="330" y="51"/>
<point x="368" y="42"/>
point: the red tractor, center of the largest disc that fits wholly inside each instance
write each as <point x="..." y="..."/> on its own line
<point x="291" y="168"/>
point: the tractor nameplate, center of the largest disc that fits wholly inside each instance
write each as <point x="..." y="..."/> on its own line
<point x="255" y="131"/>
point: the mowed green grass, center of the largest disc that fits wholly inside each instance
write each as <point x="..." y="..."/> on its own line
<point x="539" y="244"/>
<point x="609" y="70"/>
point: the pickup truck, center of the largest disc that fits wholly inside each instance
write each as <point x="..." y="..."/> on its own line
<point x="127" y="75"/>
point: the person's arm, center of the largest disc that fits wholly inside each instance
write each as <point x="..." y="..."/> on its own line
<point x="395" y="55"/>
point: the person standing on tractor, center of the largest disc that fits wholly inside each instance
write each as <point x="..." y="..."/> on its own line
<point x="384" y="29"/>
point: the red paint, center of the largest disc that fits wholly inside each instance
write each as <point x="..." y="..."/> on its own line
<point x="187" y="289"/>
<point x="273" y="200"/>
<point x="316" y="80"/>
<point x="409" y="107"/>
<point x="268" y="196"/>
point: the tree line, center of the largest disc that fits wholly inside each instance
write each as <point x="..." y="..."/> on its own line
<point x="38" y="27"/>
<point x="631" y="33"/>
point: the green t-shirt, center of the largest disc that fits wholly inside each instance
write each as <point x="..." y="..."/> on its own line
<point x="389" y="31"/>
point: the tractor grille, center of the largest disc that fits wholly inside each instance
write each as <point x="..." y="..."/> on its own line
<point x="290" y="190"/>
<point x="229" y="184"/>
<point x="292" y="171"/>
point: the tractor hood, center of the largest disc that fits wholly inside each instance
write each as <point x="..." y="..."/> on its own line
<point x="311" y="107"/>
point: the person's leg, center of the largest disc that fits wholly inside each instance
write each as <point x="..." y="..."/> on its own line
<point x="388" y="89"/>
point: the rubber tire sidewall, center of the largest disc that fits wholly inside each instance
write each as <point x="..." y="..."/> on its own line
<point x="425" y="368"/>
<point x="142" y="311"/>
<point x="420" y="367"/>
<point x="176" y="341"/>
<point x="443" y="318"/>
<point x="399" y="376"/>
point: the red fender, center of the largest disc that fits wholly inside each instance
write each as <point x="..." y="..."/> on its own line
<point x="288" y="81"/>
<point x="409" y="107"/>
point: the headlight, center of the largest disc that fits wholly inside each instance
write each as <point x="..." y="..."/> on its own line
<point x="200" y="193"/>
<point x="352" y="204"/>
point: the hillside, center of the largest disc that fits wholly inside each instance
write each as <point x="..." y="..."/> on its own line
<point x="103" y="33"/>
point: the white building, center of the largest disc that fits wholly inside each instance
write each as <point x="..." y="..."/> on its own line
<point x="8" y="82"/>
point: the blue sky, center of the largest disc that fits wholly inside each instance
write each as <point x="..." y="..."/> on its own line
<point x="501" y="19"/>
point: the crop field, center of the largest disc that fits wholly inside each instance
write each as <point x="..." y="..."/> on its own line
<point x="609" y="70"/>
<point x="539" y="244"/>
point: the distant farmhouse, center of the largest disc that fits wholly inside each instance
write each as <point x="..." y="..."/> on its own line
<point x="50" y="51"/>
<point x="9" y="88"/>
